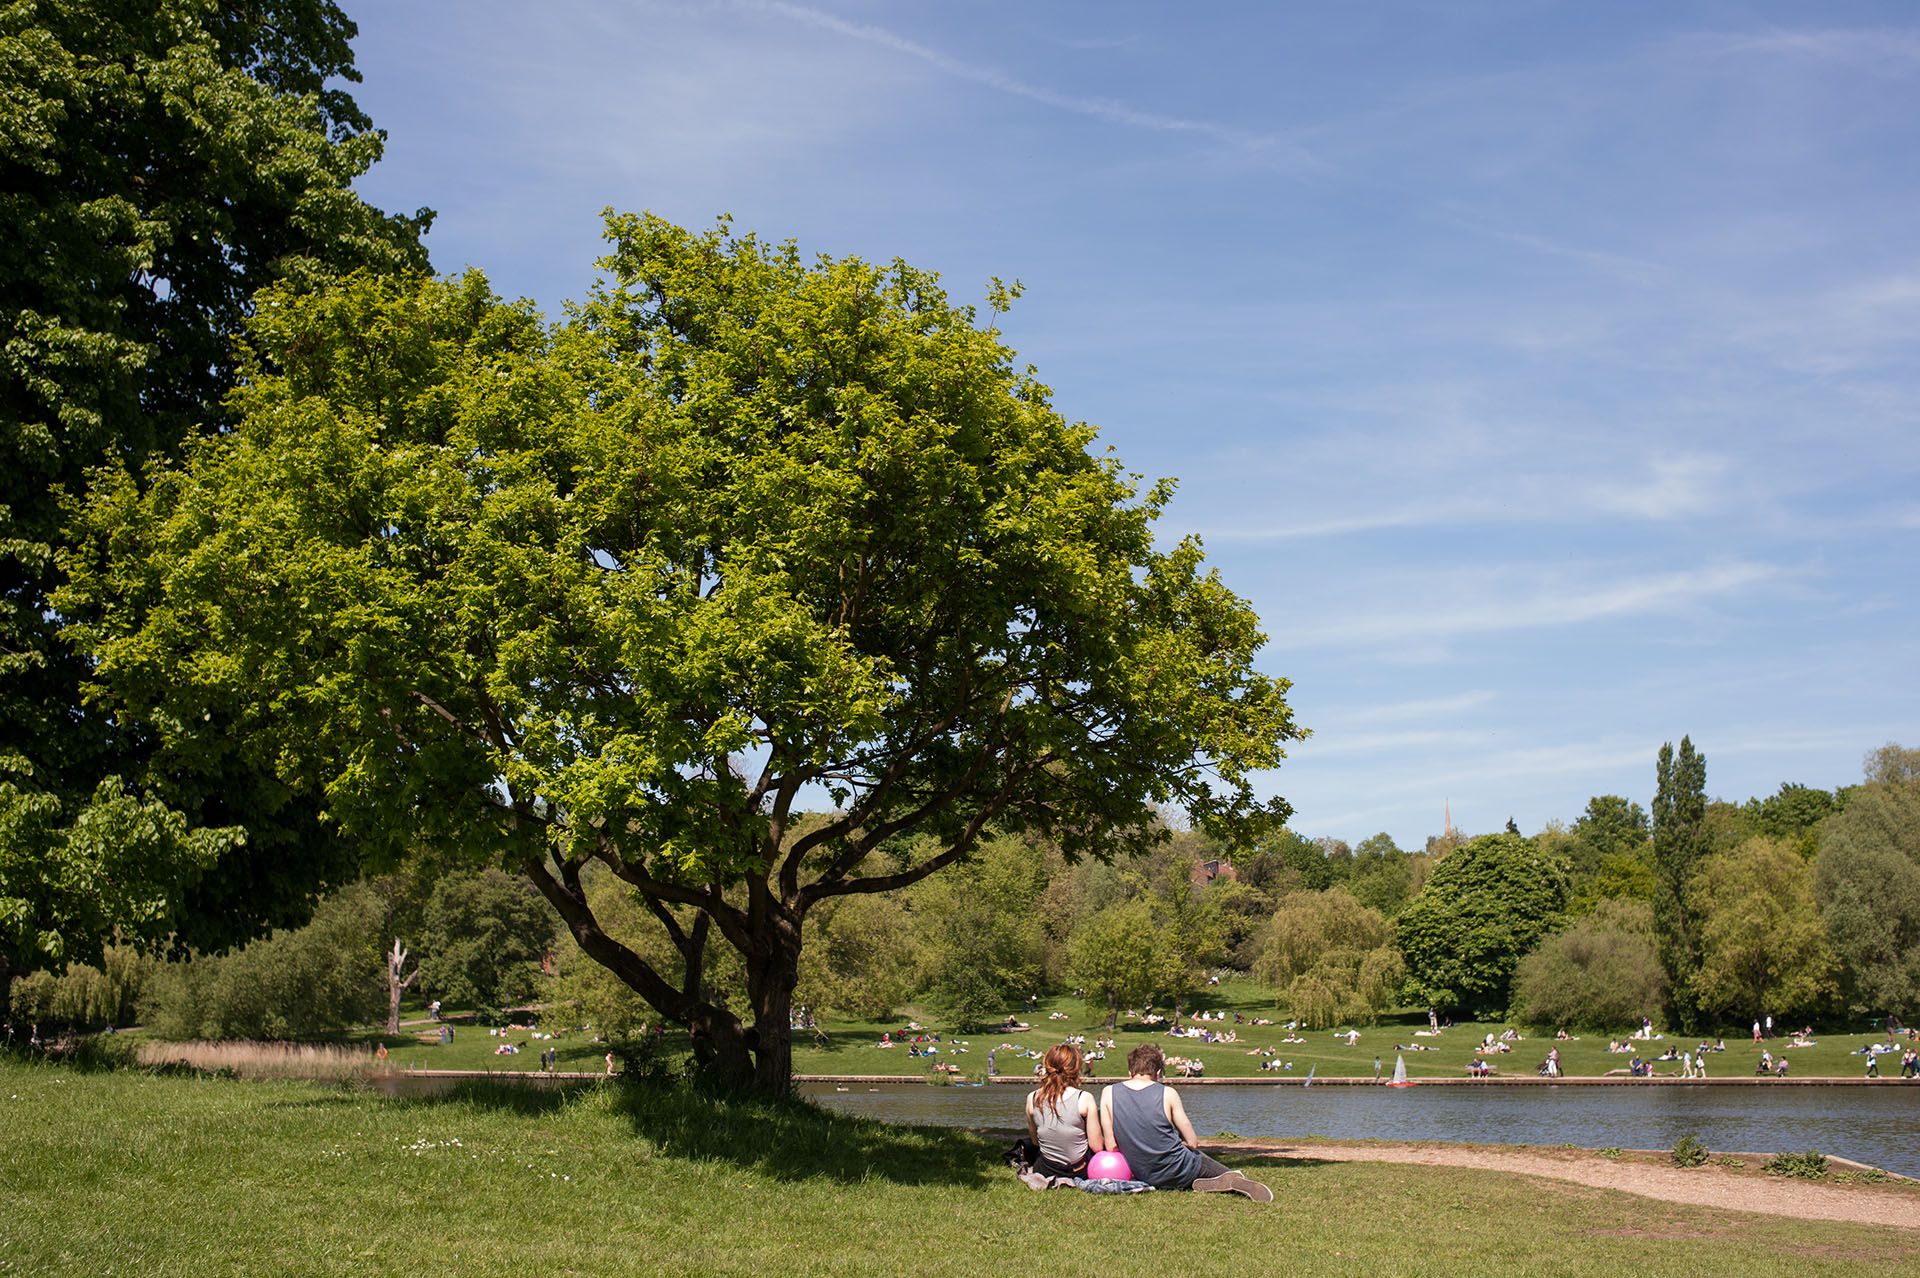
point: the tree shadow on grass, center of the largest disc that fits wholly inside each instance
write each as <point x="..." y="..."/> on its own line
<point x="796" y="1140"/>
<point x="788" y="1139"/>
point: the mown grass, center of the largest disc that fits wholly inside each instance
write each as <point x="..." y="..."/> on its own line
<point x="133" y="1173"/>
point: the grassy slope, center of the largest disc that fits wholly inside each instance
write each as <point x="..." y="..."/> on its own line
<point x="136" y="1174"/>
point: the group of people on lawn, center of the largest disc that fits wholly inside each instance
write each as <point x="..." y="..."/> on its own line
<point x="1140" y="1116"/>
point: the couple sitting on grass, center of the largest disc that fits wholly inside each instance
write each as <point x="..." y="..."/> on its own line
<point x="1141" y="1117"/>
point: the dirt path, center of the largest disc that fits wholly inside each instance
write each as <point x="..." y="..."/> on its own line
<point x="1708" y="1186"/>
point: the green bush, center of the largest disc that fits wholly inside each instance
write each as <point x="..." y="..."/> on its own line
<point x="1812" y="1165"/>
<point x="1688" y="1151"/>
<point x="84" y="996"/>
<point x="326" y="975"/>
<point x="1602" y="971"/>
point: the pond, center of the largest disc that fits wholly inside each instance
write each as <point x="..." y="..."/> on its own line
<point x="1875" y="1125"/>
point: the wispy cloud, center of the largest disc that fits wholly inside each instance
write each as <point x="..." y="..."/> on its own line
<point x="1577" y="489"/>
<point x="1679" y="486"/>
<point x="1374" y="742"/>
<point x="1419" y="708"/>
<point x="1560" y="605"/>
<point x="1632" y="270"/>
<point x="1873" y="48"/>
<point x="1109" y="110"/>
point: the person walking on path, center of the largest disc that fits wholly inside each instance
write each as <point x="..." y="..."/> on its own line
<point x="1146" y="1121"/>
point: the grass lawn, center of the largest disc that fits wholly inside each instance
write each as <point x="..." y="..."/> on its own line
<point x="136" y="1173"/>
<point x="853" y="1047"/>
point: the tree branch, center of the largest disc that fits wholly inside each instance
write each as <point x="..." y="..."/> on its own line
<point x="832" y="884"/>
<point x="571" y="904"/>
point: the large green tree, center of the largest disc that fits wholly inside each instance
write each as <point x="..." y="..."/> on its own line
<point x="1794" y="812"/>
<point x="1867" y="880"/>
<point x="159" y="162"/>
<point x="482" y="938"/>
<point x="1762" y="946"/>
<point x="986" y="945"/>
<point x="747" y="528"/>
<point x="1611" y="825"/>
<point x="1487" y="903"/>
<point x="1382" y="875"/>
<point x="1680" y="845"/>
<point x="1114" y="958"/>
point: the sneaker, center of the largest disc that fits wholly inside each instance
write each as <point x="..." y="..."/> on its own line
<point x="1233" y="1183"/>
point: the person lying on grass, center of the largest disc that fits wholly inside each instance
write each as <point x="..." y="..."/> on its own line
<point x="1063" y="1122"/>
<point x="1144" y="1119"/>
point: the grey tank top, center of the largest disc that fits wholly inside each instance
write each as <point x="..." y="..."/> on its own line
<point x="1062" y="1132"/>
<point x="1150" y="1142"/>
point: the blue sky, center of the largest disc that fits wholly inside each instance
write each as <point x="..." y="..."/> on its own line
<point x="1544" y="374"/>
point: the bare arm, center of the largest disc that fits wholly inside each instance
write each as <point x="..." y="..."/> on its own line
<point x="1096" y="1137"/>
<point x="1106" y="1111"/>
<point x="1177" y="1115"/>
<point x="1033" y="1132"/>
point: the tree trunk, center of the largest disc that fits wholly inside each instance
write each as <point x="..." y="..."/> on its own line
<point x="722" y="1048"/>
<point x="396" y="986"/>
<point x="771" y="982"/>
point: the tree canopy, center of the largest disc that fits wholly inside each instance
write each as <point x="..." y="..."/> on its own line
<point x="159" y="163"/>
<point x="1762" y="943"/>
<point x="744" y="529"/>
<point x="1485" y="905"/>
<point x="1680" y="844"/>
<point x="1867" y="880"/>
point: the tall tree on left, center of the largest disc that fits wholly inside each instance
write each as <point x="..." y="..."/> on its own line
<point x="159" y="163"/>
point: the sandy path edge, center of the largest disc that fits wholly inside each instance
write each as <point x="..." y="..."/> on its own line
<point x="1706" y="1186"/>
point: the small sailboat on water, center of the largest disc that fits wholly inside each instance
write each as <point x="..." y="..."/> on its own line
<point x="1400" y="1078"/>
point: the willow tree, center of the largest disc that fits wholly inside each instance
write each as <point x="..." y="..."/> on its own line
<point x="747" y="534"/>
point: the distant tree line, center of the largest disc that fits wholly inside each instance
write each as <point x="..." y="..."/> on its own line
<point x="1801" y="904"/>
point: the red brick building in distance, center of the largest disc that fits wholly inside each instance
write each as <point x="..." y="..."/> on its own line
<point x="1205" y="872"/>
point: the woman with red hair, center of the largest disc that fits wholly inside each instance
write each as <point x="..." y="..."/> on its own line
<point x="1062" y="1120"/>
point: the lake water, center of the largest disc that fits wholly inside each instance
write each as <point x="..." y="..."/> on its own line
<point x="1875" y="1125"/>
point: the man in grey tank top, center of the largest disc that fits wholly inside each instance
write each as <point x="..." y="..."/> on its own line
<point x="1146" y="1121"/>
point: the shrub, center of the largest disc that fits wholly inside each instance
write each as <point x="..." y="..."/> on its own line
<point x="85" y="996"/>
<point x="1812" y="1165"/>
<point x="1688" y="1151"/>
<point x="1602" y="971"/>
<point x="326" y="975"/>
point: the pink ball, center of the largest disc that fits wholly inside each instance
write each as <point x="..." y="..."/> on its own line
<point x="1109" y="1164"/>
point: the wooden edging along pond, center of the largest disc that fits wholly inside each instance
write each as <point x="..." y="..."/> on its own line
<point x="1010" y="1080"/>
<point x="1297" y="1080"/>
